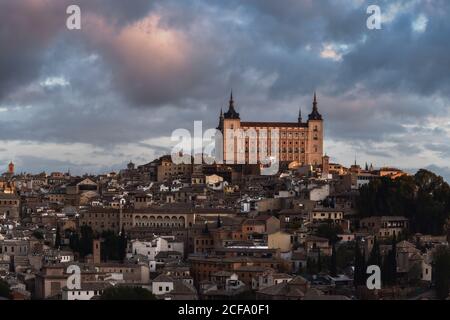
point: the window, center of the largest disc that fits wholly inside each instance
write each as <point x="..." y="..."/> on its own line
<point x="160" y="289"/>
<point x="167" y="288"/>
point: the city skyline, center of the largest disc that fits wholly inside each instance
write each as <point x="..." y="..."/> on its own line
<point x="90" y="100"/>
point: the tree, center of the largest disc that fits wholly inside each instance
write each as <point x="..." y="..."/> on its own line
<point x="333" y="264"/>
<point x="393" y="260"/>
<point x="345" y="255"/>
<point x="311" y="266"/>
<point x="219" y="222"/>
<point x="57" y="238"/>
<point x="330" y="231"/>
<point x="360" y="268"/>
<point x="423" y="198"/>
<point x="375" y="254"/>
<point x="441" y="272"/>
<point x="38" y="235"/>
<point x="113" y="246"/>
<point x="123" y="242"/>
<point x="319" y="261"/>
<point x="389" y="269"/>
<point x="127" y="293"/>
<point x="74" y="241"/>
<point x="86" y="240"/>
<point x="5" y="291"/>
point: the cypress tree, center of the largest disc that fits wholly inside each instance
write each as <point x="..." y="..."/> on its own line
<point x="375" y="254"/>
<point x="219" y="222"/>
<point x="385" y="270"/>
<point x="333" y="266"/>
<point x="319" y="261"/>
<point x="360" y="266"/>
<point x="57" y="238"/>
<point x="393" y="261"/>
<point x="122" y="244"/>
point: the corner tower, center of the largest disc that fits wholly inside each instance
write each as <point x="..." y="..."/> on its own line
<point x="230" y="121"/>
<point x="314" y="148"/>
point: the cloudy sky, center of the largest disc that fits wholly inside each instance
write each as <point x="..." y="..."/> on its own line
<point x="93" y="99"/>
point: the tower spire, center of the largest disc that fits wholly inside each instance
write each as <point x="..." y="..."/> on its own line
<point x="231" y="113"/>
<point x="300" y="115"/>
<point x="315" y="115"/>
<point x="315" y="101"/>
<point x="231" y="100"/>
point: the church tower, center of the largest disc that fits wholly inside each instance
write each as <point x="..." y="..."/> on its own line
<point x="11" y="168"/>
<point x="314" y="148"/>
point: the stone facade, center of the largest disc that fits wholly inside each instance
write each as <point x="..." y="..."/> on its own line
<point x="300" y="142"/>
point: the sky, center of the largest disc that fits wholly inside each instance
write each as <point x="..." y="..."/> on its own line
<point x="91" y="100"/>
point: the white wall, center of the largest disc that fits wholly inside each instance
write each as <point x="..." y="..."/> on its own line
<point x="159" y="288"/>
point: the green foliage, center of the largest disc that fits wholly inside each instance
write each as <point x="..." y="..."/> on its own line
<point x="423" y="198"/>
<point x="333" y="262"/>
<point x="375" y="254"/>
<point x="345" y="255"/>
<point x="311" y="266"/>
<point x="360" y="267"/>
<point x="83" y="243"/>
<point x="127" y="293"/>
<point x="330" y="231"/>
<point x="389" y="267"/>
<point x="4" y="289"/>
<point x="441" y="272"/>
<point x="57" y="237"/>
<point x="113" y="246"/>
<point x="38" y="235"/>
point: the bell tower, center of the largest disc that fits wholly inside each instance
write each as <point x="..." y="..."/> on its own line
<point x="314" y="150"/>
<point x="11" y="168"/>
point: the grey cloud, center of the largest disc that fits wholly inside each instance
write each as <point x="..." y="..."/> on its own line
<point x="267" y="52"/>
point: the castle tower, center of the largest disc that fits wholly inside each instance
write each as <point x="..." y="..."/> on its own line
<point x="231" y="121"/>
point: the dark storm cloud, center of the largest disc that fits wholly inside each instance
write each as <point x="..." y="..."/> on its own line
<point x="442" y="149"/>
<point x="139" y="70"/>
<point x="27" y="28"/>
